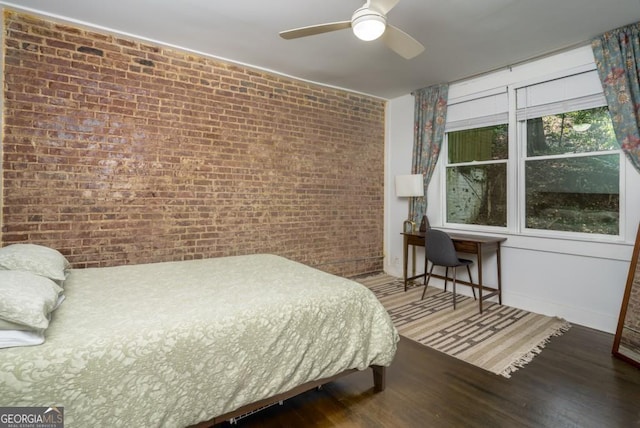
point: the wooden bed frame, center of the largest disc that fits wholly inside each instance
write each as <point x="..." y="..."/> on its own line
<point x="379" y="384"/>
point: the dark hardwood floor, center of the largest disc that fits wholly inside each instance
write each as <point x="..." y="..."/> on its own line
<point x="574" y="382"/>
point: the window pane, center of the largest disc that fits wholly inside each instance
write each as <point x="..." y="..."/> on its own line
<point x="573" y="132"/>
<point x="481" y="144"/>
<point x="477" y="194"/>
<point x="576" y="194"/>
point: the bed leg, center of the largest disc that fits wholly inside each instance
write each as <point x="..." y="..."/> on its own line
<point x="379" y="378"/>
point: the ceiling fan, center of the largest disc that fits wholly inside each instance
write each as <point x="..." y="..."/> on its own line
<point x="369" y="22"/>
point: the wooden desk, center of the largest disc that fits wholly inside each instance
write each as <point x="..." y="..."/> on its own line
<point x="464" y="243"/>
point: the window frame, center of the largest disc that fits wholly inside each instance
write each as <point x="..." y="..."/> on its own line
<point x="516" y="196"/>
<point x="521" y="171"/>
<point x="447" y="165"/>
<point x="496" y="104"/>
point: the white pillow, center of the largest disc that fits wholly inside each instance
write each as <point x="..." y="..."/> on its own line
<point x="26" y="298"/>
<point x="12" y="338"/>
<point x="34" y="258"/>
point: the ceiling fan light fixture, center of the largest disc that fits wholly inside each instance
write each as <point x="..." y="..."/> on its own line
<point x="368" y="25"/>
<point x="369" y="22"/>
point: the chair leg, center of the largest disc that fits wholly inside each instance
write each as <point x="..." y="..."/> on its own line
<point x="426" y="267"/>
<point x="473" y="289"/>
<point x="454" y="288"/>
<point x="426" y="282"/>
<point x="446" y="276"/>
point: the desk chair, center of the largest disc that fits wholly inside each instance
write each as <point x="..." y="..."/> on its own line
<point x="440" y="251"/>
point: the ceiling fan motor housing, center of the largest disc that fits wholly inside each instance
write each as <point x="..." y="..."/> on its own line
<point x="367" y="24"/>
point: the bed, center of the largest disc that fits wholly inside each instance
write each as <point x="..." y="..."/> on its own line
<point x="176" y="344"/>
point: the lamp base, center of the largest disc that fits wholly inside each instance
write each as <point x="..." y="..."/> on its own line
<point x="410" y="225"/>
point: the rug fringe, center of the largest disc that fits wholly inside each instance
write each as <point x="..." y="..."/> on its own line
<point x="529" y="356"/>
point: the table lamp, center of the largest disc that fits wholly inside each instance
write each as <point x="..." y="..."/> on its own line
<point x="409" y="186"/>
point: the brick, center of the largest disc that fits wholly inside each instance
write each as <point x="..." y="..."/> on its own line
<point x="117" y="151"/>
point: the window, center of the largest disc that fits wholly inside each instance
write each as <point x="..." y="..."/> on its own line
<point x="571" y="161"/>
<point x="476" y="176"/>
<point x="572" y="173"/>
<point x="477" y="148"/>
<point x="563" y="173"/>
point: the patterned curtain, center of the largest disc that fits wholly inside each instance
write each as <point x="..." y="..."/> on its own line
<point x="430" y="114"/>
<point x="617" y="56"/>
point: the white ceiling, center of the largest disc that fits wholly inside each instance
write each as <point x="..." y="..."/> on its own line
<point x="462" y="37"/>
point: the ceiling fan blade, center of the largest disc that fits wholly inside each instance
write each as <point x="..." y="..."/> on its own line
<point x="383" y="6"/>
<point x="314" y="29"/>
<point x="401" y="43"/>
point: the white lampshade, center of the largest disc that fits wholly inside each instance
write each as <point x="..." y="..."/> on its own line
<point x="368" y="27"/>
<point x="409" y="185"/>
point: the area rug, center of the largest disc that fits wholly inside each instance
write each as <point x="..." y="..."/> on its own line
<point x="501" y="339"/>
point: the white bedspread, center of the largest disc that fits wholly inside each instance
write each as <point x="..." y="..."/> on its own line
<point x="176" y="343"/>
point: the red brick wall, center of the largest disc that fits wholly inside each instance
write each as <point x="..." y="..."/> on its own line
<point x="117" y="151"/>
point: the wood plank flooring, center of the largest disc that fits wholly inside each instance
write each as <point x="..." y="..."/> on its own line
<point x="575" y="382"/>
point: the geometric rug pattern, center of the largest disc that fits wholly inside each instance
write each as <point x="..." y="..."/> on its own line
<point x="501" y="340"/>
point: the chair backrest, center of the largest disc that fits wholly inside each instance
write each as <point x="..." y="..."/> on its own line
<point x="440" y="249"/>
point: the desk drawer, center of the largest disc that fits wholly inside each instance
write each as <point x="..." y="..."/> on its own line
<point x="415" y="240"/>
<point x="466" y="247"/>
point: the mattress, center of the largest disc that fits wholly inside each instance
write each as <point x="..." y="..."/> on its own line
<point x="176" y="343"/>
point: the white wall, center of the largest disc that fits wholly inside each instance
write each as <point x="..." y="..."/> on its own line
<point x="581" y="281"/>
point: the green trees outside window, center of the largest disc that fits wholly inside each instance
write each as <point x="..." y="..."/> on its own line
<point x="572" y="173"/>
<point x="569" y="170"/>
<point x="477" y="176"/>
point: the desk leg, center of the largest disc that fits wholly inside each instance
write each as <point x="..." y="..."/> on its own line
<point x="405" y="260"/>
<point x="413" y="261"/>
<point x="499" y="274"/>
<point x="480" y="277"/>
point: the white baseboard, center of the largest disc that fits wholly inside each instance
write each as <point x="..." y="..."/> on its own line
<point x="575" y="315"/>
